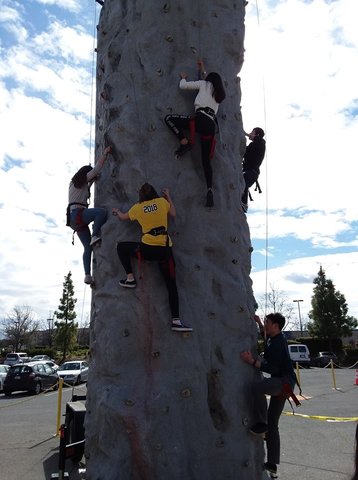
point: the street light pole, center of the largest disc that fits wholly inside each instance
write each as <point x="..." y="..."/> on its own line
<point x="299" y="312"/>
<point x="50" y="329"/>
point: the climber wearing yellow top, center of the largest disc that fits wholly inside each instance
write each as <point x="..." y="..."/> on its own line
<point x="152" y="214"/>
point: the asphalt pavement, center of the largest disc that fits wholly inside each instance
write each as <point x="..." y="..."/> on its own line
<point x="312" y="449"/>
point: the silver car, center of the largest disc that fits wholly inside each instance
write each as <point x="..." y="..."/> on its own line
<point x="74" y="372"/>
<point x="3" y="372"/>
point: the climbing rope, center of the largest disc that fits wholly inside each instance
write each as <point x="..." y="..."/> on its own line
<point x="92" y="79"/>
<point x="266" y="177"/>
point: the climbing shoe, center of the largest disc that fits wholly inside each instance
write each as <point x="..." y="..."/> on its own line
<point x="95" y="240"/>
<point x="89" y="280"/>
<point x="209" y="199"/>
<point x="179" y="327"/>
<point x="259" y="429"/>
<point x="271" y="468"/>
<point x="128" y="283"/>
<point x="183" y="149"/>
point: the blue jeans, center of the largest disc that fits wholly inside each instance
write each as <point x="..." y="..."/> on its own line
<point x="96" y="215"/>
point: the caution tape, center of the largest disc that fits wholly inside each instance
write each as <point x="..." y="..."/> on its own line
<point x="323" y="418"/>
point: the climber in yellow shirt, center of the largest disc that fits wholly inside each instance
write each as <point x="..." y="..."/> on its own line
<point x="151" y="212"/>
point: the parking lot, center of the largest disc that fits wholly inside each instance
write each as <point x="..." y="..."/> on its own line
<point x="312" y="449"/>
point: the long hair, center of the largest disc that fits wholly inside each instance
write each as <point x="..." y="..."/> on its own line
<point x="80" y="178"/>
<point x="147" y="192"/>
<point x="218" y="87"/>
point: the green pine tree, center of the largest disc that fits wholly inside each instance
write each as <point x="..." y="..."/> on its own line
<point x="66" y="332"/>
<point x="329" y="312"/>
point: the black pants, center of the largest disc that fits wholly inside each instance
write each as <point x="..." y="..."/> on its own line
<point x="250" y="177"/>
<point x="165" y="259"/>
<point x="271" y="415"/>
<point x="203" y="125"/>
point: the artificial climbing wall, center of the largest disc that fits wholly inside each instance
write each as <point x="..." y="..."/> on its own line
<point x="165" y="405"/>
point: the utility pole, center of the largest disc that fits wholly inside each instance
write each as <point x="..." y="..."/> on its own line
<point x="299" y="312"/>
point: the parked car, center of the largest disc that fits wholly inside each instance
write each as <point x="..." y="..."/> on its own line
<point x="300" y="354"/>
<point x="37" y="358"/>
<point x="31" y="376"/>
<point x="52" y="364"/>
<point x="74" y="372"/>
<point x="12" y="358"/>
<point x="323" y="359"/>
<point x="3" y="372"/>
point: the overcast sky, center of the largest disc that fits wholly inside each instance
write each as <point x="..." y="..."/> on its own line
<point x="299" y="82"/>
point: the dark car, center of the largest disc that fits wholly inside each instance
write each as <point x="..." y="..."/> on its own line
<point x="323" y="359"/>
<point x="32" y="377"/>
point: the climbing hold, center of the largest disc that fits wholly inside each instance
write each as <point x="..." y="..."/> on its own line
<point x="219" y="354"/>
<point x="214" y="14"/>
<point x="169" y="38"/>
<point x="129" y="402"/>
<point x="246" y="463"/>
<point x="193" y="49"/>
<point x="160" y="72"/>
<point x="185" y="393"/>
<point x="158" y="447"/>
<point x="104" y="32"/>
<point x="251" y="249"/>
<point x="155" y="354"/>
<point x="104" y="95"/>
<point x="196" y="267"/>
<point x="166" y="8"/>
<point x="114" y="172"/>
<point x="245" y="421"/>
<point x="237" y="116"/>
<point x="223" y="117"/>
<point x="241" y="309"/>
<point x="152" y="128"/>
<point x="234" y="239"/>
<point x="211" y="315"/>
<point x="232" y="186"/>
<point x="223" y="146"/>
<point x="235" y="261"/>
<point x="125" y="333"/>
<point x="165" y="409"/>
<point x="220" y="443"/>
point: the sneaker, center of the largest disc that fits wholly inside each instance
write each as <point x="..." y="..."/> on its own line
<point x="95" y="240"/>
<point x="209" y="199"/>
<point x="259" y="429"/>
<point x="89" y="280"/>
<point x="271" y="468"/>
<point x="183" y="149"/>
<point x="179" y="327"/>
<point x="244" y="207"/>
<point x="128" y="283"/>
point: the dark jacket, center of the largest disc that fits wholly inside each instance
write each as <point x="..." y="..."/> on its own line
<point x="254" y="155"/>
<point x="276" y="360"/>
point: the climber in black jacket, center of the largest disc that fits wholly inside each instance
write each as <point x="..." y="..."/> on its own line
<point x="276" y="361"/>
<point x="254" y="155"/>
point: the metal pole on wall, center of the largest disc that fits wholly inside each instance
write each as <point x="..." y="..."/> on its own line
<point x="299" y="313"/>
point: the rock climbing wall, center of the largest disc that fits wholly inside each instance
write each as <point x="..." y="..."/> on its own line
<point x="165" y="405"/>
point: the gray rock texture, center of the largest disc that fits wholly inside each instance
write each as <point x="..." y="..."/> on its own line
<point x="164" y="405"/>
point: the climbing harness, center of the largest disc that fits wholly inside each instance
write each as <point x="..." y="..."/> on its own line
<point x="79" y="223"/>
<point x="192" y="130"/>
<point x="257" y="189"/>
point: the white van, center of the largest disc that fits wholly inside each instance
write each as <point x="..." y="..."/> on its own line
<point x="300" y="354"/>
